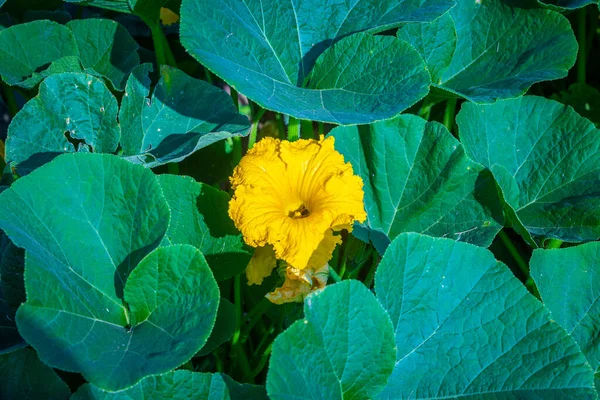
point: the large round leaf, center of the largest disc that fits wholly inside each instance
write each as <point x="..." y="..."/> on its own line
<point x="106" y="48"/>
<point x="25" y="377"/>
<point x="182" y="115"/>
<point x="308" y="59"/>
<point x="180" y="384"/>
<point x="487" y="50"/>
<point x="465" y="327"/>
<point x="26" y="50"/>
<point x="72" y="112"/>
<point x="568" y="281"/>
<point x="343" y="349"/>
<point x="546" y="159"/>
<point x="86" y="221"/>
<point x="199" y="217"/>
<point x="417" y="179"/>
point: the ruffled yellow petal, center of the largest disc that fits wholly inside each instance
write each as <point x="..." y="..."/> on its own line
<point x="293" y="195"/>
<point x="299" y="283"/>
<point x="261" y="265"/>
<point x="325" y="250"/>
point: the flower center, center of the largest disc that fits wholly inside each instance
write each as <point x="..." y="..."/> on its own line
<point x="300" y="212"/>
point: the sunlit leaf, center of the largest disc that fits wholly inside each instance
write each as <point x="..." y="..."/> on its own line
<point x="417" y="179"/>
<point x="546" y="159"/>
<point x="465" y="327"/>
<point x="309" y="59"/>
<point x="343" y="349"/>
<point x="86" y="222"/>
<point x="181" y="116"/>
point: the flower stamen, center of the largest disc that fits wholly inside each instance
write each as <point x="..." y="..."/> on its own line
<point x="300" y="212"/>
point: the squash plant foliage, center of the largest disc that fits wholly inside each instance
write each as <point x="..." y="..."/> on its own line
<point x="473" y="125"/>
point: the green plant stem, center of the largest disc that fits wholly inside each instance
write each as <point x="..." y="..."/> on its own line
<point x="254" y="129"/>
<point x="244" y="364"/>
<point x="236" y="346"/>
<point x="164" y="55"/>
<point x="334" y="275"/>
<point x="554" y="244"/>
<point x="253" y="317"/>
<point x="293" y="129"/>
<point x="237" y="299"/>
<point x="371" y="274"/>
<point x="425" y="111"/>
<point x="236" y="149"/>
<point x="307" y="128"/>
<point x="514" y="253"/>
<point x="11" y="102"/>
<point x="582" y="39"/>
<point x="235" y="97"/>
<point x="208" y="76"/>
<point x="321" y="128"/>
<point x="449" y="114"/>
<point x="263" y="361"/>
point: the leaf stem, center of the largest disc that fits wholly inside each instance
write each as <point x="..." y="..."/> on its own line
<point x="164" y="55"/>
<point x="370" y="278"/>
<point x="235" y="97"/>
<point x="554" y="244"/>
<point x="237" y="298"/>
<point x="293" y="129"/>
<point x="334" y="275"/>
<point x="263" y="361"/>
<point x="514" y="253"/>
<point x="254" y="129"/>
<point x="254" y="316"/>
<point x="449" y="114"/>
<point x="321" y="128"/>
<point x="582" y="39"/>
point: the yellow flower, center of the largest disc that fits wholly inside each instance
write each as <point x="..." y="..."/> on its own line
<point x="293" y="197"/>
<point x="298" y="284"/>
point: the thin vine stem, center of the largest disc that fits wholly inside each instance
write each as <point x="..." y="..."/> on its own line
<point x="293" y="129"/>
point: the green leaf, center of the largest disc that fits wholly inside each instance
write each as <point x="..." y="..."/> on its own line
<point x="224" y="328"/>
<point x="417" y="179"/>
<point x="199" y="217"/>
<point x="25" y="377"/>
<point x="500" y="50"/>
<point x="546" y="159"/>
<point x="584" y="99"/>
<point x="465" y="327"/>
<point x="69" y="108"/>
<point x="562" y="5"/>
<point x="435" y="41"/>
<point x="308" y="58"/>
<point x="86" y="221"/>
<point x="343" y="349"/>
<point x="244" y="391"/>
<point x="180" y="384"/>
<point x="12" y="293"/>
<point x="26" y="50"/>
<point x="114" y="5"/>
<point x="567" y="281"/>
<point x="182" y="116"/>
<point x="106" y="48"/>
